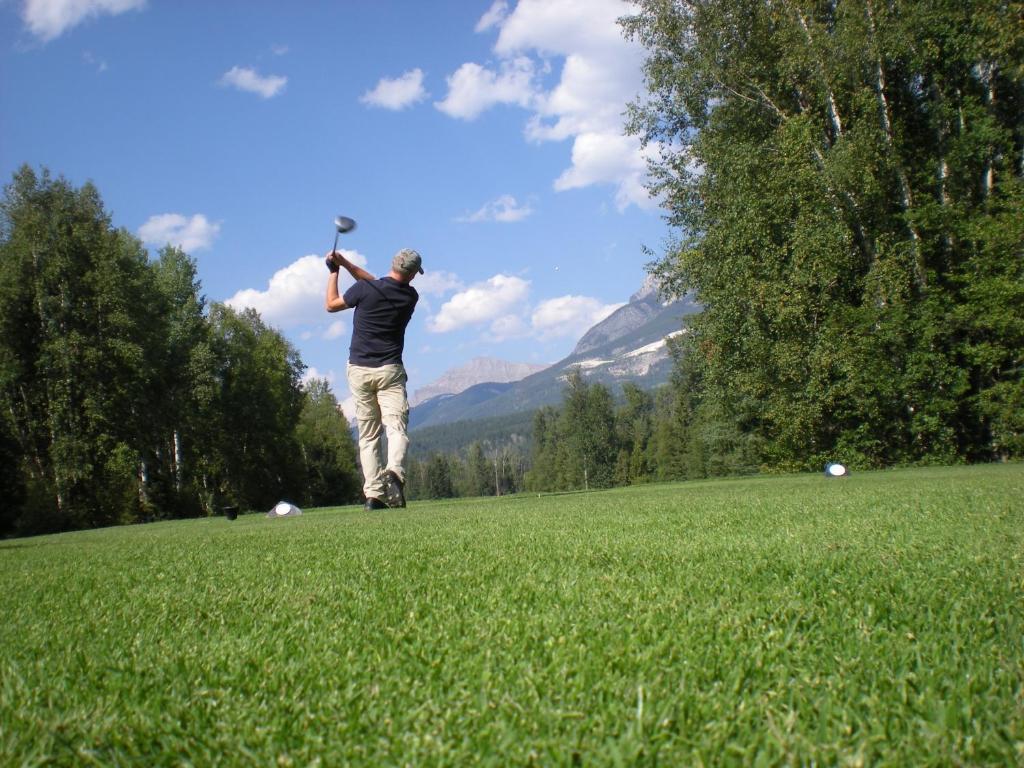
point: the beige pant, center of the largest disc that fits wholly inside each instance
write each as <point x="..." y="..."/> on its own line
<point x="381" y="404"/>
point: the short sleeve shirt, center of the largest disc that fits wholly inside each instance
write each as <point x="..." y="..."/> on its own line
<point x="383" y="309"/>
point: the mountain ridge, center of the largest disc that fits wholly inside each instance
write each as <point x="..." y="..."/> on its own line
<point x="479" y="370"/>
<point x="627" y="346"/>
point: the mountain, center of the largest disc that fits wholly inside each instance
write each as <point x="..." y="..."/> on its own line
<point x="477" y="371"/>
<point x="642" y="306"/>
<point x="628" y="345"/>
<point x="437" y="411"/>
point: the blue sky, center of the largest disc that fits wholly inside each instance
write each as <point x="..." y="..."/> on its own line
<point x="486" y="135"/>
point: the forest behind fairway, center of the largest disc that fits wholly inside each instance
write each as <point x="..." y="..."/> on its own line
<point x="874" y="619"/>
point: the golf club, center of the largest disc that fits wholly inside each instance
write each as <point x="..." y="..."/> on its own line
<point x="342" y="224"/>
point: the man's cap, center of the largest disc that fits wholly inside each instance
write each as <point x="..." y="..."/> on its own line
<point x="407" y="261"/>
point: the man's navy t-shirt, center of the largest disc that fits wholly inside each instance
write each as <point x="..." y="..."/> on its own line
<point x="383" y="309"/>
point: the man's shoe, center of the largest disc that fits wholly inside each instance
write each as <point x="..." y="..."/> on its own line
<point x="394" y="493"/>
<point x="372" y="504"/>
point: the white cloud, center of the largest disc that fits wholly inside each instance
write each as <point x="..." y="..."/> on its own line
<point x="474" y="89"/>
<point x="564" y="26"/>
<point x="399" y="93"/>
<point x="437" y="283"/>
<point x="49" y="19"/>
<point x="312" y="373"/>
<point x="494" y="17"/>
<point x="189" y="234"/>
<point x="94" y="61"/>
<point x="294" y="296"/>
<point x="480" y="303"/>
<point x="601" y="74"/>
<point x="607" y="158"/>
<point x="246" y="79"/>
<point x="504" y="209"/>
<point x="348" y="409"/>
<point x="508" y="327"/>
<point x="335" y="330"/>
<point x="568" y="316"/>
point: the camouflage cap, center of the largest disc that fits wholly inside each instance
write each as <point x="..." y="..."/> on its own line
<point x="407" y="261"/>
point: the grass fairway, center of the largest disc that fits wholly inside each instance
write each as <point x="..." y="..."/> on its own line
<point x="876" y="620"/>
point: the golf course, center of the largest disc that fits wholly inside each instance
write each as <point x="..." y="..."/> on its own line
<point x="785" y="620"/>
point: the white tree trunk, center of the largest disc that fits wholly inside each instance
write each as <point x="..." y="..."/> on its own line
<point x="177" y="460"/>
<point x="884" y="113"/>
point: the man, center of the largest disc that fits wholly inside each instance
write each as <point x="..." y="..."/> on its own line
<point x="376" y="374"/>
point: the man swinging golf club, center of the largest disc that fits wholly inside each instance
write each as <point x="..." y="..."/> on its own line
<point x="376" y="374"/>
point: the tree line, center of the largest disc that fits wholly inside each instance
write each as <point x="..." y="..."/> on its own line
<point x="846" y="183"/>
<point x="126" y="396"/>
<point x="495" y="468"/>
<point x="593" y="439"/>
<point x="846" y="180"/>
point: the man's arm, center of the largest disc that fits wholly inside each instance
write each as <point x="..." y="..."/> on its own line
<point x="335" y="303"/>
<point x="358" y="273"/>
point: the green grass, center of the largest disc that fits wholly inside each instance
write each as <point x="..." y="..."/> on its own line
<point x="874" y="620"/>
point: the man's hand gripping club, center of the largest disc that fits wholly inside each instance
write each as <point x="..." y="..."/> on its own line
<point x="335" y="260"/>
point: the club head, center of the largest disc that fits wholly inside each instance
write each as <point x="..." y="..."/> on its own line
<point x="344" y="224"/>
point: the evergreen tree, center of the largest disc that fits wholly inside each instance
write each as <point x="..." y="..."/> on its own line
<point x="438" y="480"/>
<point x="587" y="433"/>
<point x="546" y="454"/>
<point x="480" y="473"/>
<point x="633" y="430"/>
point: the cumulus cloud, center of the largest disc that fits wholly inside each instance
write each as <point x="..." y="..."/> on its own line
<point x="348" y="409"/>
<point x="49" y="19"/>
<point x="335" y="330"/>
<point x="564" y="26"/>
<point x="504" y="209"/>
<point x="494" y="17"/>
<point x="607" y="158"/>
<point x="399" y="93"/>
<point x="601" y="73"/>
<point x="568" y="316"/>
<point x="189" y="234"/>
<point x="249" y="80"/>
<point x="473" y="89"/>
<point x="437" y="283"/>
<point x="481" y="303"/>
<point x="508" y="327"/>
<point x="500" y="309"/>
<point x="313" y="373"/>
<point x="294" y="296"/>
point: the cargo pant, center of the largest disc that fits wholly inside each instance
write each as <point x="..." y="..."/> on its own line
<point x="381" y="406"/>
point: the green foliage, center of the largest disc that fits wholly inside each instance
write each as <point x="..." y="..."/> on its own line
<point x="252" y="458"/>
<point x="79" y="321"/>
<point x="328" y="449"/>
<point x="455" y="438"/>
<point x="437" y="478"/>
<point x="846" y="178"/>
<point x="633" y="430"/>
<point x="480" y="474"/>
<point x="797" y="620"/>
<point x="124" y="397"/>
<point x="575" y="448"/>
